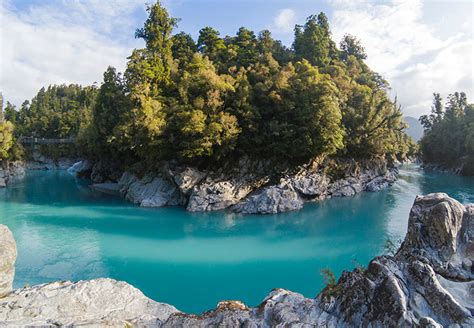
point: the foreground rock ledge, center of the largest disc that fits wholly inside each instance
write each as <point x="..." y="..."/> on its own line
<point x="429" y="282"/>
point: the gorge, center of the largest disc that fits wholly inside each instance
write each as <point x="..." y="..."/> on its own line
<point x="427" y="283"/>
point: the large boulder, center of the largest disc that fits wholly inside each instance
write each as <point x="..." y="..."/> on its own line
<point x="186" y="178"/>
<point x="150" y="191"/>
<point x="97" y="303"/>
<point x="314" y="185"/>
<point x="80" y="168"/>
<point x="7" y="260"/>
<point x="271" y="200"/>
<point x="213" y="194"/>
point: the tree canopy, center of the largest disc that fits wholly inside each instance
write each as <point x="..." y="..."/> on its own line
<point x="221" y="97"/>
<point x="449" y="132"/>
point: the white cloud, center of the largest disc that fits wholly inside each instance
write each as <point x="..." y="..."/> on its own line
<point x="49" y="44"/>
<point x="284" y="22"/>
<point x="407" y="51"/>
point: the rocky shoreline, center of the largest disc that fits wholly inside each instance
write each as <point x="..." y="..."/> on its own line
<point x="429" y="282"/>
<point x="458" y="169"/>
<point x="244" y="189"/>
<point x="11" y="171"/>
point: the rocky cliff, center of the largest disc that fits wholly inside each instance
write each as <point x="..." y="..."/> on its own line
<point x="11" y="171"/>
<point x="247" y="187"/>
<point x="429" y="282"/>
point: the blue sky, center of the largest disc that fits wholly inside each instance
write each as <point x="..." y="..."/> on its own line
<point x="419" y="46"/>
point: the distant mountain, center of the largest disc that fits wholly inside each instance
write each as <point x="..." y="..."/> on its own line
<point x="415" y="129"/>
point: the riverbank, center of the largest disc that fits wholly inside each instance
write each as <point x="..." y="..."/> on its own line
<point x="11" y="171"/>
<point x="246" y="187"/>
<point x="464" y="167"/>
<point x="426" y="283"/>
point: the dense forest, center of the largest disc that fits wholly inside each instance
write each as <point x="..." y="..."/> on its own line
<point x="218" y="98"/>
<point x="449" y="133"/>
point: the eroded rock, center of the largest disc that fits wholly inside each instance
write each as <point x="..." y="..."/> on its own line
<point x="7" y="260"/>
<point x="271" y="200"/>
<point x="149" y="191"/>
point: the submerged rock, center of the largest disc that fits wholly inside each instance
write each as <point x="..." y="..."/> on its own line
<point x="111" y="188"/>
<point x="429" y="282"/>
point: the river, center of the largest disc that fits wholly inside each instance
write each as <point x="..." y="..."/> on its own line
<point x="65" y="231"/>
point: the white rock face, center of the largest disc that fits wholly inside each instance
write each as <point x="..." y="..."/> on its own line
<point x="186" y="178"/>
<point x="271" y="200"/>
<point x="98" y="303"/>
<point x="212" y="195"/>
<point x="79" y="167"/>
<point x="7" y="260"/>
<point x="293" y="191"/>
<point x="149" y="191"/>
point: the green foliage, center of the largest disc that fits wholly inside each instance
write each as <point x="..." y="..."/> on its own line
<point x="221" y="97"/>
<point x="55" y="112"/>
<point x="199" y="124"/>
<point x="183" y="48"/>
<point x="313" y="41"/>
<point x="6" y="139"/>
<point x="350" y="46"/>
<point x="331" y="288"/>
<point x="449" y="138"/>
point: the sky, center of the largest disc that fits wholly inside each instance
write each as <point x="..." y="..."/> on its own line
<point x="420" y="47"/>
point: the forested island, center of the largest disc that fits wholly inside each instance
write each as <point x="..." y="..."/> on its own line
<point x="237" y="114"/>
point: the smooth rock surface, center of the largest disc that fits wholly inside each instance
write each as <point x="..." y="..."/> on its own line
<point x="271" y="200"/>
<point x="7" y="260"/>
<point x="149" y="191"/>
<point x="99" y="303"/>
<point x="80" y="167"/>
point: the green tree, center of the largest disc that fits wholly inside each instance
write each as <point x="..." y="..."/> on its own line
<point x="313" y="41"/>
<point x="183" y="48"/>
<point x="351" y="46"/>
<point x="210" y="44"/>
<point x="201" y="127"/>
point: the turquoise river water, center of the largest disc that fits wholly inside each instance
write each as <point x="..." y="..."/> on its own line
<point x="65" y="231"/>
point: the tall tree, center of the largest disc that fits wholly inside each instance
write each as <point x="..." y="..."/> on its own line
<point x="313" y="41"/>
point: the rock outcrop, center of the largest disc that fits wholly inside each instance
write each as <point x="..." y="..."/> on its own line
<point x="150" y="191"/>
<point x="7" y="260"/>
<point x="247" y="187"/>
<point x="11" y="171"/>
<point x="310" y="185"/>
<point x="99" y="303"/>
<point x="429" y="282"/>
<point x="42" y="162"/>
<point x="80" y="168"/>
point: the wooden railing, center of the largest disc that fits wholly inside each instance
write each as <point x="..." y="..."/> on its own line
<point x="45" y="141"/>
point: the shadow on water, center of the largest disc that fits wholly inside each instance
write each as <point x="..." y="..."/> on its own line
<point x="193" y="260"/>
